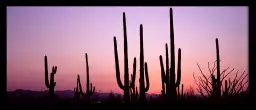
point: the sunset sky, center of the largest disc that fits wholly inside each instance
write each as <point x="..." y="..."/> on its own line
<point x="65" y="34"/>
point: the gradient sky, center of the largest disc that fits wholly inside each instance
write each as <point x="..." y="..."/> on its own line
<point x="65" y="34"/>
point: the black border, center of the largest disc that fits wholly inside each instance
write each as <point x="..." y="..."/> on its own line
<point x="126" y="3"/>
<point x="252" y="55"/>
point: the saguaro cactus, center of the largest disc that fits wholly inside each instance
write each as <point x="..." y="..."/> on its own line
<point x="143" y="88"/>
<point x="216" y="82"/>
<point x="90" y="90"/>
<point x="76" y="89"/>
<point x="174" y="84"/>
<point x="169" y="77"/>
<point x="218" y="91"/>
<point x="50" y="85"/>
<point x="125" y="87"/>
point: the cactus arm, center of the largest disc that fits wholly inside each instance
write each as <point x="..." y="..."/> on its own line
<point x="79" y="84"/>
<point x="87" y="75"/>
<point x="178" y="91"/>
<point x="147" y="78"/>
<point x="119" y="82"/>
<point x="179" y="68"/>
<point x="167" y="63"/>
<point x="182" y="90"/>
<point x="167" y="76"/>
<point x="75" y="90"/>
<point x="218" y="68"/>
<point x="136" y="91"/>
<point x="130" y="91"/>
<point x="52" y="83"/>
<point x="46" y="72"/>
<point x="162" y="73"/>
<point x="55" y="70"/>
<point x="131" y="85"/>
<point x="90" y="90"/>
<point x="134" y="73"/>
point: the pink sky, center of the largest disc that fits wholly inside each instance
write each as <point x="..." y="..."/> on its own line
<point x="65" y="34"/>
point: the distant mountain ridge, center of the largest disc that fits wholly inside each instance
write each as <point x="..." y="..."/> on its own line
<point x="20" y="93"/>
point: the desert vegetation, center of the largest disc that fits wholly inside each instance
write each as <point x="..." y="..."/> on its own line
<point x="214" y="87"/>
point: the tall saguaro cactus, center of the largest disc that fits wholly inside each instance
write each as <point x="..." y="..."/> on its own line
<point x="143" y="88"/>
<point x="125" y="87"/>
<point x="169" y="77"/>
<point x="90" y="89"/>
<point x="50" y="85"/>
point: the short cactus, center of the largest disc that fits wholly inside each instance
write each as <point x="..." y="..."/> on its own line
<point x="50" y="85"/>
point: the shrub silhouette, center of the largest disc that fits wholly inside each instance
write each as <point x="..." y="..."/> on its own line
<point x="214" y="88"/>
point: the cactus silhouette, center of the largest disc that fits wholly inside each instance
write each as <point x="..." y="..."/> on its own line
<point x="50" y="85"/>
<point x="218" y="85"/>
<point x="125" y="87"/>
<point x="169" y="77"/>
<point x="225" y="93"/>
<point x="216" y="82"/>
<point x="180" y="93"/>
<point x="143" y="88"/>
<point x="76" y="89"/>
<point x="163" y="91"/>
<point x="136" y="93"/>
<point x="132" y="82"/>
<point x="90" y="90"/>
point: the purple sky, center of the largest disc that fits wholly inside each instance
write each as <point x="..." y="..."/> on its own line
<point x="65" y="34"/>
